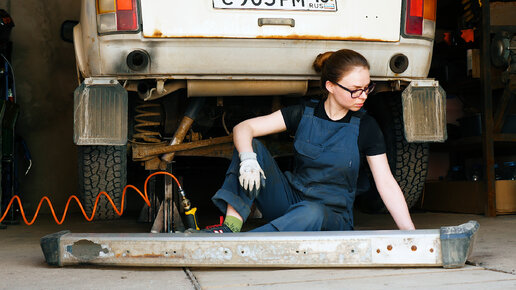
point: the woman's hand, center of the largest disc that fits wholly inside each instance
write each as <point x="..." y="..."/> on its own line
<point x="251" y="178"/>
<point x="390" y="191"/>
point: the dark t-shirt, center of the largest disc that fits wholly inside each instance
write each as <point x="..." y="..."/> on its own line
<point x="370" y="137"/>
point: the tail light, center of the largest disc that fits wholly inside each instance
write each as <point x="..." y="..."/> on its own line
<point x="117" y="15"/>
<point x="420" y="18"/>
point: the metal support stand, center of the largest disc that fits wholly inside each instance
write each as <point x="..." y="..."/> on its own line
<point x="168" y="219"/>
<point x="448" y="247"/>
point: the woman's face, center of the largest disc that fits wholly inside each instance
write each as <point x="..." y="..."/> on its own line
<point x="357" y="78"/>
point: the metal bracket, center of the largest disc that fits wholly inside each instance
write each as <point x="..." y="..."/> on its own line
<point x="100" y="81"/>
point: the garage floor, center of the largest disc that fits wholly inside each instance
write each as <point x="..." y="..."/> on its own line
<point x="492" y="265"/>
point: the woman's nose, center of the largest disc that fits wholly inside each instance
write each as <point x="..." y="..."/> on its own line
<point x="363" y="95"/>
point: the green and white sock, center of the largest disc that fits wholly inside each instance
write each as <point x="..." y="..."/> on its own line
<point x="233" y="223"/>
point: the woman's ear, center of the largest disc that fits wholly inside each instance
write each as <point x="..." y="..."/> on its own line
<point x="330" y="87"/>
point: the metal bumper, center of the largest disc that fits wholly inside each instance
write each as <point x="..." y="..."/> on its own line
<point x="448" y="247"/>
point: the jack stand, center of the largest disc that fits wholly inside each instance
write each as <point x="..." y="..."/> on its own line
<point x="448" y="247"/>
<point x="168" y="218"/>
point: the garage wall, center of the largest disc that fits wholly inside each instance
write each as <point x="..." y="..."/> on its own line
<point x="44" y="67"/>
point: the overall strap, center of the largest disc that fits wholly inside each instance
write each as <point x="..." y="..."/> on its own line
<point x="356" y="118"/>
<point x="309" y="110"/>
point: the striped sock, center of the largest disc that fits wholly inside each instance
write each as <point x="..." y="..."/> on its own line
<point x="233" y="223"/>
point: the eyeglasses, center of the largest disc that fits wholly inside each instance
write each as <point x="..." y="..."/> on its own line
<point x="357" y="93"/>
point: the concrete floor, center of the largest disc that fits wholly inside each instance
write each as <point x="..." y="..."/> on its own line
<point x="492" y="264"/>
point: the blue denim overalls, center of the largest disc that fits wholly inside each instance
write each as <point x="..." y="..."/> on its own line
<point x="318" y="194"/>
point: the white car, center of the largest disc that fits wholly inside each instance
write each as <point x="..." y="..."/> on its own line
<point x="225" y="60"/>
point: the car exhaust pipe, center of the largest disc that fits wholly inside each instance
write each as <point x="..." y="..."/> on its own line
<point x="138" y="60"/>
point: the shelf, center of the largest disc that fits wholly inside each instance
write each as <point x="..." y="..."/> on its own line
<point x="509" y="138"/>
<point x="468" y="196"/>
<point x="505" y="138"/>
<point x="502" y="142"/>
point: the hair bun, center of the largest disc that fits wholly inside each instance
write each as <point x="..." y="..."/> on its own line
<point x="320" y="60"/>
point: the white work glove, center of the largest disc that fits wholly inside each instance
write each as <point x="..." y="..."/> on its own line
<point x="251" y="177"/>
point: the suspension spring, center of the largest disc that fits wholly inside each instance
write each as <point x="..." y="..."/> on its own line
<point x="148" y="120"/>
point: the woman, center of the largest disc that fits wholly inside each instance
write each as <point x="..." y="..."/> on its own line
<point x="330" y="136"/>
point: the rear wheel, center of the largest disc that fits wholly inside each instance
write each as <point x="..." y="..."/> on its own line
<point x="408" y="161"/>
<point x="102" y="168"/>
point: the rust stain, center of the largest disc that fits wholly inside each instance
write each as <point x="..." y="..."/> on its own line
<point x="389" y="247"/>
<point x="143" y="150"/>
<point x="159" y="34"/>
<point x="413" y="248"/>
<point x="431" y="250"/>
<point x="378" y="251"/>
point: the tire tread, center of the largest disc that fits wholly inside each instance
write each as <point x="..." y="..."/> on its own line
<point x="102" y="168"/>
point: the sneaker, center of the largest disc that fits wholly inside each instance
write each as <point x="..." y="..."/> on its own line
<point x="218" y="229"/>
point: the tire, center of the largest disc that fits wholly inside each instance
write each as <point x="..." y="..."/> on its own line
<point x="102" y="168"/>
<point x="408" y="161"/>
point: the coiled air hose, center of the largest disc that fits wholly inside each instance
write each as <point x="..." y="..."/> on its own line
<point x="74" y="197"/>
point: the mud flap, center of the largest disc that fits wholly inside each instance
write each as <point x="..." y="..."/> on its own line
<point x="448" y="247"/>
<point x="424" y="112"/>
<point x="100" y="113"/>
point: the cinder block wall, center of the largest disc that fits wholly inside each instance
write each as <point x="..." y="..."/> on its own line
<point x="46" y="77"/>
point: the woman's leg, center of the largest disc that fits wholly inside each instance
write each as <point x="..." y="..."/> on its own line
<point x="273" y="200"/>
<point x="307" y="216"/>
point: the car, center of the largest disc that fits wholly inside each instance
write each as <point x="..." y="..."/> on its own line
<point x="160" y="72"/>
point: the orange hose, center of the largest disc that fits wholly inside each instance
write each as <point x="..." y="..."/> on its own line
<point x="73" y="197"/>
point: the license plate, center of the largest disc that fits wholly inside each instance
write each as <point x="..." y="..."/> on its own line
<point x="306" y="5"/>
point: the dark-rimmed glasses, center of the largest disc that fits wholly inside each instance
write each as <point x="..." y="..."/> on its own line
<point x="357" y="93"/>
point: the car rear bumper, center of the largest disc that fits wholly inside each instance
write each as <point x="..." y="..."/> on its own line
<point x="249" y="59"/>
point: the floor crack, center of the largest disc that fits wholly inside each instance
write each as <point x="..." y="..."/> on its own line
<point x="490" y="269"/>
<point x="192" y="278"/>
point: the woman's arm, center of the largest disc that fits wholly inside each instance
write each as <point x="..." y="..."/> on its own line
<point x="244" y="132"/>
<point x="390" y="191"/>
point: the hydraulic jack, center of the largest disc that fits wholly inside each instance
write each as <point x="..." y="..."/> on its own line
<point x="448" y="247"/>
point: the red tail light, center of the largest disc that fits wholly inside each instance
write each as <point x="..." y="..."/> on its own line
<point x="420" y="18"/>
<point x="117" y="15"/>
<point x="126" y="15"/>
<point x="414" y="20"/>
